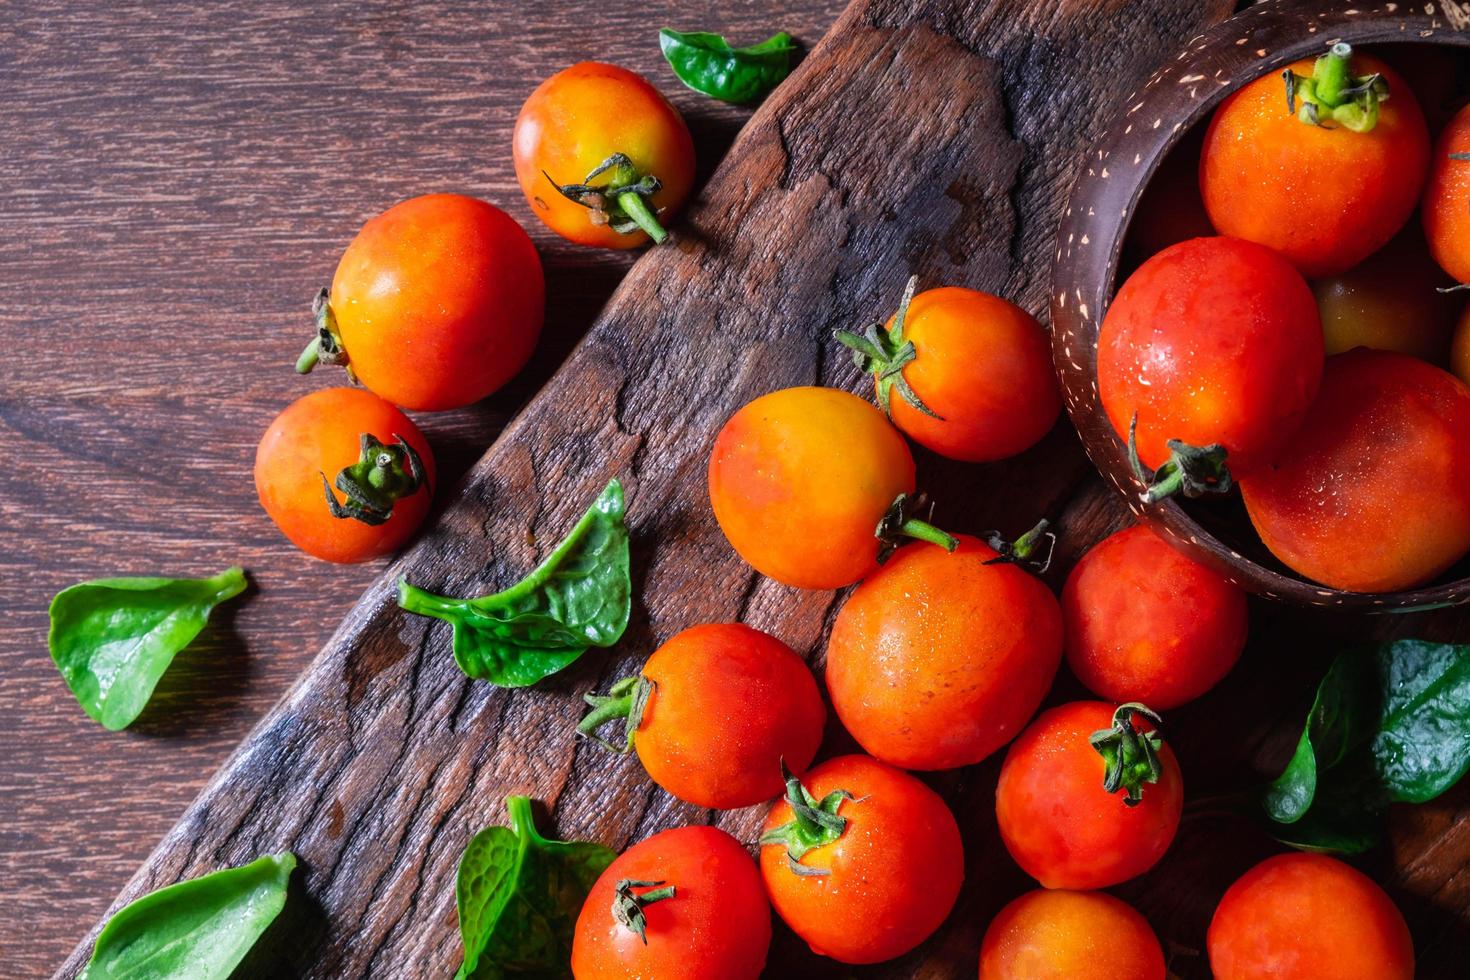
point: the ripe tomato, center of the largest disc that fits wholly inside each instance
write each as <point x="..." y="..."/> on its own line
<point x="937" y="660"/>
<point x="588" y="116"/>
<point x="1446" y="209"/>
<point x="1212" y="344"/>
<point x="1145" y="623"/>
<point x="1373" y="493"/>
<point x="973" y="372"/>
<point x="322" y="440"/>
<point x="1389" y="302"/>
<point x="1057" y="816"/>
<point x="1065" y="935"/>
<point x="686" y="902"/>
<point x="882" y="881"/>
<point x="715" y="712"/>
<point x="436" y="303"/>
<point x="1325" y="195"/>
<point x="1292" y="915"/>
<point x="800" y="479"/>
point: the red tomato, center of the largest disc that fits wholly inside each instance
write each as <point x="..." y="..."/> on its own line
<point x="973" y="373"/>
<point x="1307" y="916"/>
<point x="1389" y="302"/>
<point x="936" y="660"/>
<point x="1446" y="208"/>
<point x="715" y="712"/>
<point x="579" y="119"/>
<point x="685" y="903"/>
<point x="1064" y="935"/>
<point x="319" y="440"/>
<point x="800" y="478"/>
<point x="879" y="886"/>
<point x="1213" y="340"/>
<point x="1145" y="623"/>
<point x="1325" y="196"/>
<point x="1373" y="492"/>
<point x="1061" y="824"/>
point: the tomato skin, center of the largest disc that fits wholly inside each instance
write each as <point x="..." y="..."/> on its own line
<point x="1389" y="302"/>
<point x="894" y="874"/>
<point x="1325" y="198"/>
<point x="579" y="117"/>
<point x="438" y="301"/>
<point x="1211" y="340"/>
<point x="730" y="703"/>
<point x="984" y="365"/>
<point x="1056" y="819"/>
<point x="319" y="434"/>
<point x="1373" y="493"/>
<point x="1292" y="913"/>
<point x="716" y="926"/>
<point x="1055" y="934"/>
<point x="799" y="479"/>
<point x="1446" y="207"/>
<point x="1145" y="623"/>
<point x="936" y="660"/>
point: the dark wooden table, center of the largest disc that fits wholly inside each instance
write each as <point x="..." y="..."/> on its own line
<point x="176" y="180"/>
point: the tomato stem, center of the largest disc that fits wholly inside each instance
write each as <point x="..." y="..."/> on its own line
<point x="1022" y="551"/>
<point x="627" y="907"/>
<point x="1333" y="94"/>
<point x="1131" y="756"/>
<point x="898" y="524"/>
<point x="627" y="699"/>
<point x="620" y="202"/>
<point x="814" y="823"/>
<point x="885" y="354"/>
<point x="326" y="347"/>
<point x="382" y="476"/>
<point x="1191" y="470"/>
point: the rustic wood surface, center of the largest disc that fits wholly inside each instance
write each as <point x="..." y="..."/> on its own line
<point x="171" y="193"/>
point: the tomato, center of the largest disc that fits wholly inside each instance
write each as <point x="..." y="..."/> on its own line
<point x="800" y="479"/>
<point x="973" y="372"/>
<point x="1325" y="196"/>
<point x="1065" y="935"/>
<point x="1058" y="820"/>
<point x="716" y="711"/>
<point x="1446" y="209"/>
<point x="1145" y="623"/>
<point x="1389" y="302"/>
<point x="1216" y="343"/>
<point x="323" y="438"/>
<point x="580" y="119"/>
<point x="1460" y="347"/>
<point x="881" y="884"/>
<point x="1291" y="915"/>
<point x="685" y="903"/>
<point x="936" y="660"/>
<point x="1373" y="493"/>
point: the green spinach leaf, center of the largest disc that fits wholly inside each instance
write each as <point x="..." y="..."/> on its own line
<point x="1390" y="724"/>
<point x="709" y="65"/>
<point x="579" y="597"/>
<point x="112" y="638"/>
<point x="198" y="929"/>
<point x="519" y="895"/>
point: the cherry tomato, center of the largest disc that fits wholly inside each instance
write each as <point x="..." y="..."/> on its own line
<point x="1389" y="302"/>
<point x="882" y="883"/>
<point x="1059" y="820"/>
<point x="1145" y="623"/>
<point x="593" y="114"/>
<point x="1325" y="195"/>
<point x="1065" y="935"/>
<point x="937" y="660"/>
<point x="1460" y="347"/>
<point x="973" y="373"/>
<point x="1373" y="493"/>
<point x="1305" y="916"/>
<point x="344" y="437"/>
<point x="1446" y="210"/>
<point x="715" y="712"/>
<point x="685" y="903"/>
<point x="800" y="479"/>
<point x="1211" y="341"/>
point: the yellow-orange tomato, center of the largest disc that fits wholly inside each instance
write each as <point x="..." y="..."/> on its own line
<point x="1446" y="209"/>
<point x="799" y="480"/>
<point x="318" y="436"/>
<point x="579" y="118"/>
<point x="1323" y="196"/>
<point x="1389" y="302"/>
<point x="1065" y="935"/>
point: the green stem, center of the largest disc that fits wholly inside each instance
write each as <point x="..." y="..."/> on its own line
<point x="309" y="357"/>
<point x="1333" y="94"/>
<point x="898" y="524"/>
<point x="628" y="906"/>
<point x="627" y="699"/>
<point x="924" y="531"/>
<point x="417" y="600"/>
<point x="1331" y="74"/>
<point x="636" y="208"/>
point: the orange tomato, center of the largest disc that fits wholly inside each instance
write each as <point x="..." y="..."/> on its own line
<point x="936" y="660"/>
<point x="1389" y="302"/>
<point x="311" y="443"/>
<point x="1325" y="196"/>
<point x="1446" y="210"/>
<point x="1065" y="935"/>
<point x="437" y="302"/>
<point x="580" y="118"/>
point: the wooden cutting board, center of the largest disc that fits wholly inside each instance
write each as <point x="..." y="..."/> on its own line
<point x="937" y="139"/>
